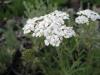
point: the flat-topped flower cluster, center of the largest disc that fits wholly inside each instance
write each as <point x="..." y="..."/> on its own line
<point x="86" y="15"/>
<point x="51" y="27"/>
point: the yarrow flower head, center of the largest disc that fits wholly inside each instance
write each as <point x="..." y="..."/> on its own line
<point x="51" y="27"/>
<point x="86" y="15"/>
<point x="82" y="20"/>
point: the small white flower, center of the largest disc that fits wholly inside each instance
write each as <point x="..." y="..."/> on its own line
<point x="46" y="42"/>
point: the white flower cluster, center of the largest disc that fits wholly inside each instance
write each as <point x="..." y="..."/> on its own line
<point x="82" y="20"/>
<point x="51" y="26"/>
<point x="86" y="15"/>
